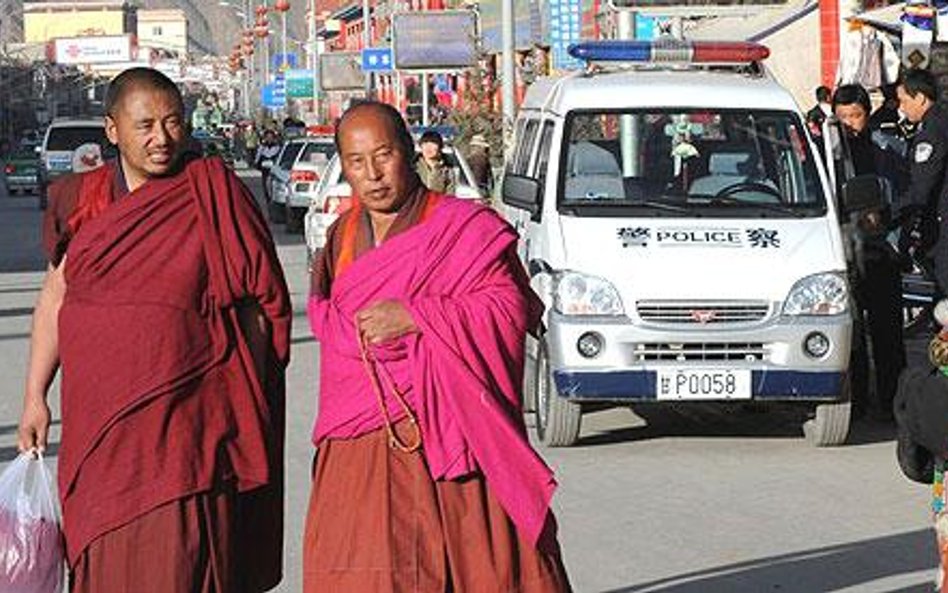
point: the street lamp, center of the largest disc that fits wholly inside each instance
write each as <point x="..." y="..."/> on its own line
<point x="282" y="6"/>
<point x="244" y="14"/>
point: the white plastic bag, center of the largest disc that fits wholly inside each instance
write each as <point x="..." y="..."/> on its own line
<point x="31" y="546"/>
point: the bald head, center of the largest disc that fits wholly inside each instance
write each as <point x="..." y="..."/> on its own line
<point x="377" y="156"/>
<point x="147" y="79"/>
<point x="382" y="113"/>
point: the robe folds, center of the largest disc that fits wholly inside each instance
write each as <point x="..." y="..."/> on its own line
<point x="458" y="276"/>
<point x="161" y="397"/>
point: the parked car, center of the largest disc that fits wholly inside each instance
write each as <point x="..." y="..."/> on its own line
<point x="62" y="138"/>
<point x="279" y="178"/>
<point x="333" y="196"/>
<point x="21" y="171"/>
<point x="311" y="163"/>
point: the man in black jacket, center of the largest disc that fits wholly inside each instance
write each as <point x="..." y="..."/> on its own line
<point x="877" y="274"/>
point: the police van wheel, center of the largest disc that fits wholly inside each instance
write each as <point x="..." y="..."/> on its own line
<point x="829" y="425"/>
<point x="558" y="420"/>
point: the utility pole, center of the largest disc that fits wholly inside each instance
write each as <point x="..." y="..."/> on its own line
<point x="507" y="16"/>
<point x="366" y="42"/>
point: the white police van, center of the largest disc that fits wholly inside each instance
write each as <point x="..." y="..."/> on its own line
<point x="679" y="225"/>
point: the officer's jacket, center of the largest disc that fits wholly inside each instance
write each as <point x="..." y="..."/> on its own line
<point x="928" y="157"/>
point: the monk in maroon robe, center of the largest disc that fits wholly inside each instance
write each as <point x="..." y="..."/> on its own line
<point x="166" y="310"/>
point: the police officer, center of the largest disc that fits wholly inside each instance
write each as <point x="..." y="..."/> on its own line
<point x="927" y="193"/>
<point x="876" y="275"/>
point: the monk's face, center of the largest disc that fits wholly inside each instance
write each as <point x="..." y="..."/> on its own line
<point x="148" y="127"/>
<point x="374" y="162"/>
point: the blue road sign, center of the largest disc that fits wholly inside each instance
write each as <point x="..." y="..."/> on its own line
<point x="278" y="61"/>
<point x="271" y="98"/>
<point x="377" y="59"/>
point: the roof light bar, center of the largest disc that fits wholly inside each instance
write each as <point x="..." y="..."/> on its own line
<point x="670" y="51"/>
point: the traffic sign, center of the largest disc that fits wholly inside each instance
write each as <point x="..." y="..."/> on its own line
<point x="299" y="83"/>
<point x="271" y="98"/>
<point x="377" y="59"/>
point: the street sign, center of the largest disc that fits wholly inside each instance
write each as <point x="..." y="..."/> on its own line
<point x="278" y="61"/>
<point x="377" y="59"/>
<point x="434" y="40"/>
<point x="270" y="98"/>
<point x="299" y="84"/>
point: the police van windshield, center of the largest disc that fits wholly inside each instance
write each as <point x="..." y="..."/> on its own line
<point x="697" y="162"/>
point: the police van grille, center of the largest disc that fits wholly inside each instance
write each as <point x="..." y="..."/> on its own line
<point x="700" y="352"/>
<point x="702" y="312"/>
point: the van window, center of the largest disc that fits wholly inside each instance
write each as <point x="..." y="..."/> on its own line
<point x="71" y="137"/>
<point x="713" y="161"/>
<point x="543" y="158"/>
<point x="524" y="147"/>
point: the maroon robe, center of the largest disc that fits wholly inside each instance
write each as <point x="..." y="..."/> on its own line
<point x="160" y="395"/>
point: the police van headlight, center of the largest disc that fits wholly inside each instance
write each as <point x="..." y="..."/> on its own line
<point x="579" y="294"/>
<point x="819" y="294"/>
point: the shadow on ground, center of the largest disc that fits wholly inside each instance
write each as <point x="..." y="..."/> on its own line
<point x="742" y="421"/>
<point x="832" y="568"/>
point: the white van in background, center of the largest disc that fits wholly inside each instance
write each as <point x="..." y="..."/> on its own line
<point x="62" y="138"/>
<point x="678" y="223"/>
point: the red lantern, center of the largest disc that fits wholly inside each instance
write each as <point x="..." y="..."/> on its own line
<point x="261" y="11"/>
<point x="282" y="5"/>
<point x="262" y="30"/>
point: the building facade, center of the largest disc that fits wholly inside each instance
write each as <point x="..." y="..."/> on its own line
<point x="163" y="29"/>
<point x="44" y="21"/>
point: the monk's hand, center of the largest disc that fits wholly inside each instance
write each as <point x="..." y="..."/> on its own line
<point x="383" y="321"/>
<point x="34" y="425"/>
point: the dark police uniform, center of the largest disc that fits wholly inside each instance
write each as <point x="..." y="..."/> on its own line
<point x="876" y="277"/>
<point x="928" y="186"/>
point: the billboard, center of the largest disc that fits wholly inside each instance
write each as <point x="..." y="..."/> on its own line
<point x="435" y="40"/>
<point x="341" y="71"/>
<point x="100" y="49"/>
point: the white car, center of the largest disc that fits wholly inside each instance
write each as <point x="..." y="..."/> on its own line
<point x="62" y="138"/>
<point x="279" y="178"/>
<point x="310" y="166"/>
<point x="334" y="196"/>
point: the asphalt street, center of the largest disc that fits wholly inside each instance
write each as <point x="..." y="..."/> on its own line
<point x="691" y="500"/>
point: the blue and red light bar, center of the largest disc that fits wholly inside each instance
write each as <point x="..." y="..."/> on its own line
<point x="670" y="51"/>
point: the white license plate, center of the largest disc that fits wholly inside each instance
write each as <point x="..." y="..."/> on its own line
<point x="703" y="384"/>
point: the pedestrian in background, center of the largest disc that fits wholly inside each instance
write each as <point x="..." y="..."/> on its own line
<point x="877" y="270"/>
<point x="424" y="479"/>
<point x="165" y="306"/>
<point x="430" y="165"/>
<point x="819" y="112"/>
<point x="478" y="158"/>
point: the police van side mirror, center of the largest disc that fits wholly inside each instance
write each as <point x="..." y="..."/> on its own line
<point x="521" y="192"/>
<point x="865" y="192"/>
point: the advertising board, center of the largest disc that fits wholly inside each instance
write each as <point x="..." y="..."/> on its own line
<point x="100" y="49"/>
<point x="420" y="40"/>
<point x="341" y="71"/>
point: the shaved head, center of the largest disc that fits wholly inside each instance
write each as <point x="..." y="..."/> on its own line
<point x="139" y="78"/>
<point x="388" y="114"/>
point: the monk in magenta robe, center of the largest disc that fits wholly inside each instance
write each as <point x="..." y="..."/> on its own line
<point x="167" y="312"/>
<point x="424" y="480"/>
